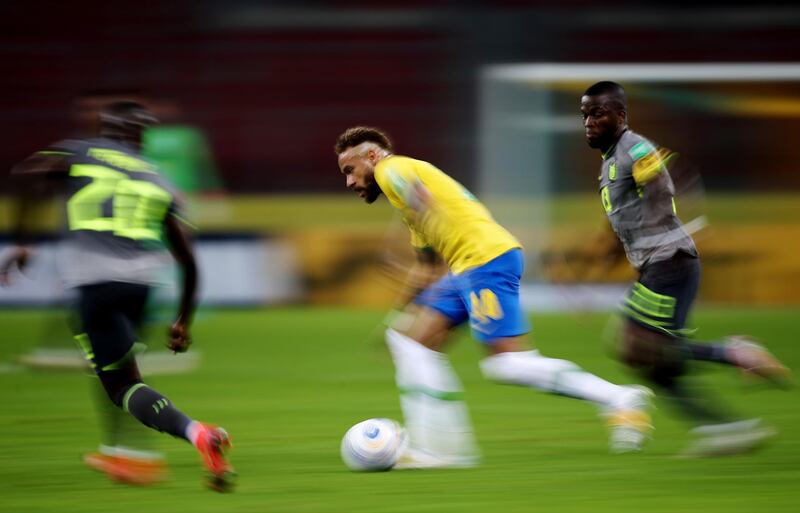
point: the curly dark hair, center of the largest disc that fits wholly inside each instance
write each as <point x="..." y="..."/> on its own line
<point x="359" y="134"/>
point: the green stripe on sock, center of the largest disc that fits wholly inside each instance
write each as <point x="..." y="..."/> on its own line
<point x="129" y="393"/>
<point x="436" y="394"/>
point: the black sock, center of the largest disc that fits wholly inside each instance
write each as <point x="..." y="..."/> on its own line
<point x="696" y="408"/>
<point x="154" y="410"/>
<point x="708" y="352"/>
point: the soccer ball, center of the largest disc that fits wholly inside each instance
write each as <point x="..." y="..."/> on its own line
<point x="374" y="444"/>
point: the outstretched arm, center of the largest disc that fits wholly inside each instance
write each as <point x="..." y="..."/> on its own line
<point x="427" y="268"/>
<point x="33" y="180"/>
<point x="182" y="250"/>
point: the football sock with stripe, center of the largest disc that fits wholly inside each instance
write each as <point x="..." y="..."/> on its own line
<point x="119" y="429"/>
<point x="690" y="403"/>
<point x="435" y="414"/>
<point x="709" y="352"/>
<point x="154" y="410"/>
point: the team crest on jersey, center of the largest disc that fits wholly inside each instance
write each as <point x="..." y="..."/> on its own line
<point x="612" y="171"/>
<point x="640" y="150"/>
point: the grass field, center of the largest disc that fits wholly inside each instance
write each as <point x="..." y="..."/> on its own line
<point x="287" y="383"/>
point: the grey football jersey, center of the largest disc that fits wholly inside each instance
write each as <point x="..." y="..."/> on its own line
<point x="642" y="216"/>
<point x="116" y="205"/>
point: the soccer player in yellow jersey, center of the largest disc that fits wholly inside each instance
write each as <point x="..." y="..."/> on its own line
<point x="485" y="265"/>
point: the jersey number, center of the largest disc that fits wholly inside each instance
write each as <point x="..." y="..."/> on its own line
<point x="485" y="306"/>
<point x="138" y="207"/>
<point x="605" y="197"/>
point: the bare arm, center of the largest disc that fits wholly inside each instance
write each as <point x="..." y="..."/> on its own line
<point x="33" y="181"/>
<point x="423" y="273"/>
<point x="182" y="250"/>
<point x="605" y="251"/>
<point x="428" y="268"/>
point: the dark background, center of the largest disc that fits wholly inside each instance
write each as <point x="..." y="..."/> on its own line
<point x="273" y="83"/>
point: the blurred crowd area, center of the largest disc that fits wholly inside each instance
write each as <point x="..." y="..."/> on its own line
<point x="273" y="83"/>
<point x="252" y="96"/>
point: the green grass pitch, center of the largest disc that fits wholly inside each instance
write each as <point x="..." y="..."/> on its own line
<point x="288" y="382"/>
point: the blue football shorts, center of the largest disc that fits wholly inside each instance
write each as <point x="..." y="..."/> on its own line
<point x="487" y="296"/>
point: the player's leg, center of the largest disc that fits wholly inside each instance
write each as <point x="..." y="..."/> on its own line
<point x="108" y="315"/>
<point x="431" y="395"/>
<point x="108" y="312"/>
<point x="661" y="301"/>
<point x="512" y="362"/>
<point x="125" y="387"/>
<point x="624" y="407"/>
<point x="498" y="321"/>
<point x="122" y="455"/>
<point x="752" y="358"/>
<point x="125" y="453"/>
<point x="656" y="309"/>
<point x="662" y="361"/>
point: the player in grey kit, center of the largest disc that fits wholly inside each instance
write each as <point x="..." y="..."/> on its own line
<point x="637" y="194"/>
<point x="119" y="210"/>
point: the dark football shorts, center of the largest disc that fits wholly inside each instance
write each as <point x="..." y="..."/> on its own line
<point x="110" y="315"/>
<point x="660" y="300"/>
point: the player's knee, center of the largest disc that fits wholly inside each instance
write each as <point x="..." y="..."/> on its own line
<point x="658" y="358"/>
<point x="633" y="350"/>
<point x="642" y="348"/>
<point x="665" y="374"/>
<point x="428" y="327"/>
<point x="117" y="386"/>
<point x="399" y="342"/>
<point x="405" y="351"/>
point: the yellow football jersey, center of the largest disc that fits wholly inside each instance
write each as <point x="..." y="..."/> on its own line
<point x="442" y="214"/>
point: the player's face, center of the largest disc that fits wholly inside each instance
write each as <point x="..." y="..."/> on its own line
<point x="359" y="172"/>
<point x="601" y="121"/>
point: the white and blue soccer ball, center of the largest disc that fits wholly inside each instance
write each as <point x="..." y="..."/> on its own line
<point x="373" y="445"/>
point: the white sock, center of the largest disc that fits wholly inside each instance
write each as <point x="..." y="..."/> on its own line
<point x="531" y="369"/>
<point x="193" y="431"/>
<point x="431" y="398"/>
<point x="127" y="452"/>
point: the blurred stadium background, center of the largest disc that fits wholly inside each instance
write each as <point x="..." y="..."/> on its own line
<point x="297" y="272"/>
